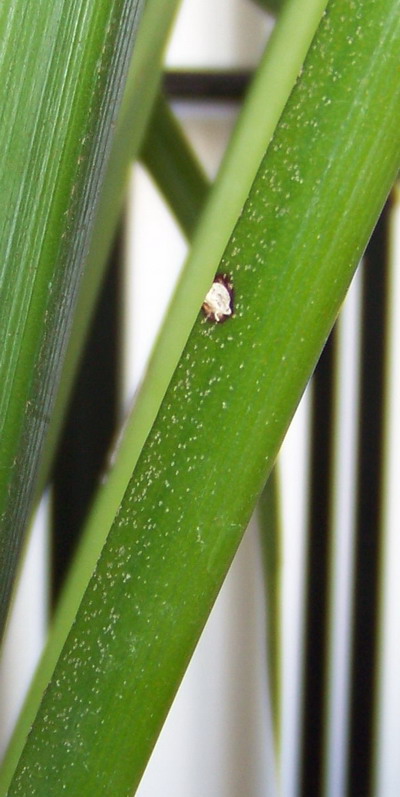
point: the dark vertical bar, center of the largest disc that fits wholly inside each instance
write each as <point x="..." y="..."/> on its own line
<point x="368" y="532"/>
<point x="91" y="421"/>
<point x="211" y="86"/>
<point x="316" y="610"/>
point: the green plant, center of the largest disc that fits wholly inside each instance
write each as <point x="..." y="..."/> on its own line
<point x="311" y="207"/>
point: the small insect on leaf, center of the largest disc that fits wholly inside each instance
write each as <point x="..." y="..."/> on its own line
<point x="218" y="304"/>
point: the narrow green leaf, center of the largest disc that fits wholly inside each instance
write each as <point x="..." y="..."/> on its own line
<point x="291" y="257"/>
<point x="141" y="88"/>
<point x="176" y="172"/>
<point x="62" y="67"/>
<point x="174" y="167"/>
<point x="275" y="6"/>
<point x="274" y="80"/>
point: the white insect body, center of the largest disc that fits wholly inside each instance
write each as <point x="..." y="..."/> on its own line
<point x="218" y="304"/>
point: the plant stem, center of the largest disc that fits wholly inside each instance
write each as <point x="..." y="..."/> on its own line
<point x="174" y="167"/>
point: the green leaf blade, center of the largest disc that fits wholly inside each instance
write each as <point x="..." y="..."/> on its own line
<point x="142" y="83"/>
<point x="67" y="62"/>
<point x="171" y="162"/>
